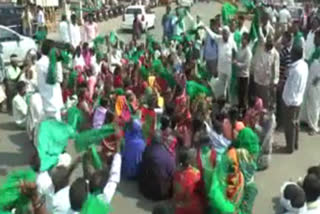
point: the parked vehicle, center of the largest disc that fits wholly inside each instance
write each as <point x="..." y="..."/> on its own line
<point x="185" y="3"/>
<point x="14" y="43"/>
<point x="10" y="16"/>
<point x="147" y="17"/>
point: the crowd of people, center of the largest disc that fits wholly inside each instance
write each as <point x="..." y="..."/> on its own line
<point x="190" y="118"/>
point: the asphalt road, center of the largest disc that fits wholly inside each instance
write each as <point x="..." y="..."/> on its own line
<point x="15" y="150"/>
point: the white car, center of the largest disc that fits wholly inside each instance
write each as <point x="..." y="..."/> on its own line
<point x="14" y="43"/>
<point x="185" y="3"/>
<point x="147" y="17"/>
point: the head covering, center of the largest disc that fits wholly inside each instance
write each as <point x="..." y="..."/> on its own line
<point x="248" y="139"/>
<point x="64" y="160"/>
<point x="226" y="28"/>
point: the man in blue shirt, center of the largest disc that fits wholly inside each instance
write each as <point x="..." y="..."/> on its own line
<point x="167" y="24"/>
<point x="210" y="51"/>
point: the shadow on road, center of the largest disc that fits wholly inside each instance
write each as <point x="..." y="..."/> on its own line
<point x="9" y="126"/>
<point x="10" y="160"/>
<point x="21" y="139"/>
<point x="130" y="189"/>
<point x="276" y="205"/>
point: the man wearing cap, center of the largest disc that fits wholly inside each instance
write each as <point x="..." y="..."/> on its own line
<point x="12" y="76"/>
<point x="292" y="96"/>
<point x="227" y="48"/>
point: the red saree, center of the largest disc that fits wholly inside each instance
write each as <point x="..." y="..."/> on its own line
<point x="186" y="196"/>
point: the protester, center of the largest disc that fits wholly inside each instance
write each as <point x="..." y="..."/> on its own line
<point x="157" y="170"/>
<point x="41" y="19"/>
<point x="137" y="28"/>
<point x="210" y="50"/>
<point x="49" y="81"/>
<point x="90" y="29"/>
<point x="140" y="110"/>
<point x="292" y="96"/>
<point x="75" y="35"/>
<point x="27" y="21"/>
<point x="284" y="18"/>
<point x="64" y="30"/>
<point x="242" y="62"/>
<point x="19" y="105"/>
<point x="13" y="73"/>
<point x="310" y="109"/>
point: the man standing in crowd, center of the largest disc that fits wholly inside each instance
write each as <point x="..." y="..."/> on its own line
<point x="13" y="73"/>
<point x="167" y="24"/>
<point x="90" y="29"/>
<point x="266" y="70"/>
<point x="50" y="90"/>
<point x="285" y="61"/>
<point x="210" y="49"/>
<point x="41" y="19"/>
<point x="227" y="48"/>
<point x="284" y="18"/>
<point x="27" y="19"/>
<point x="292" y="96"/>
<point x="311" y="108"/>
<point x="137" y="28"/>
<point x="75" y="34"/>
<point x="64" y="30"/>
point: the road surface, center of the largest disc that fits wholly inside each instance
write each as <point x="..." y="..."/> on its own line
<point x="15" y="150"/>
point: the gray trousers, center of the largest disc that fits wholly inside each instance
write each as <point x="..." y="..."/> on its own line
<point x="291" y="124"/>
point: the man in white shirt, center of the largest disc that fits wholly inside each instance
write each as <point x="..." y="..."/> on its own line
<point x="227" y="47"/>
<point x="75" y="34"/>
<point x="51" y="94"/>
<point x="293" y="96"/>
<point x="19" y="105"/>
<point x="64" y="30"/>
<point x="284" y="18"/>
<point x="41" y="20"/>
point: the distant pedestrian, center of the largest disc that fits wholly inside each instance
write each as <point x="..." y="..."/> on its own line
<point x="75" y="34"/>
<point x="137" y="28"/>
<point x="27" y="19"/>
<point x="41" y="20"/>
<point x="90" y="29"/>
<point x="64" y="30"/>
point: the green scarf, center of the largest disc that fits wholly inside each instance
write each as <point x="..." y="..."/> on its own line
<point x="228" y="12"/>
<point x="297" y="39"/>
<point x="237" y="38"/>
<point x="11" y="195"/>
<point x="94" y="205"/>
<point x="315" y="55"/>
<point x="52" y="72"/>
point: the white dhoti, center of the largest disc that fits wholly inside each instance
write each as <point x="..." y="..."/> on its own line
<point x="311" y="105"/>
<point x="35" y="114"/>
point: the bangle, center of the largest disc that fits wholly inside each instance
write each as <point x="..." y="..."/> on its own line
<point x="39" y="203"/>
